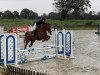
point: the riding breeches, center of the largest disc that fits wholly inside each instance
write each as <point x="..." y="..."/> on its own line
<point x="34" y="27"/>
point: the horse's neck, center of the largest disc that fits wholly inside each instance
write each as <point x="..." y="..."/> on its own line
<point x="44" y="27"/>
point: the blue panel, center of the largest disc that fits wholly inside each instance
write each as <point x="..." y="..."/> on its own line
<point x="11" y="61"/>
<point x="60" y="34"/>
<point x="68" y="43"/>
<point x="1" y="60"/>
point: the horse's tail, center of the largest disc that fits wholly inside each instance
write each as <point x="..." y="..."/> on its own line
<point x="25" y="37"/>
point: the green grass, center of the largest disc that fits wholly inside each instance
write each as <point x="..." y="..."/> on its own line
<point x="8" y="23"/>
<point x="67" y="24"/>
<point x="74" y="22"/>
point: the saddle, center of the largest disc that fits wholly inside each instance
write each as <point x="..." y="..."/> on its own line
<point x="40" y="34"/>
<point x="35" y="34"/>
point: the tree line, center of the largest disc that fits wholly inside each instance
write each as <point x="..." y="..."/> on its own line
<point x="24" y="14"/>
<point x="75" y="9"/>
<point x="66" y="9"/>
<point x="29" y="14"/>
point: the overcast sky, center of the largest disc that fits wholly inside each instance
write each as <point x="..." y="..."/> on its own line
<point x="95" y="5"/>
<point x="39" y="6"/>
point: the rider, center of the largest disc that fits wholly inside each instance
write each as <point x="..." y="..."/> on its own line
<point x="38" y="24"/>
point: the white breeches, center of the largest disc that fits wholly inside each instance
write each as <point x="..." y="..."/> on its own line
<point x="34" y="27"/>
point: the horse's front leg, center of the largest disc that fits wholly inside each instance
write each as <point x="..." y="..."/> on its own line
<point x="31" y="43"/>
<point x="46" y="38"/>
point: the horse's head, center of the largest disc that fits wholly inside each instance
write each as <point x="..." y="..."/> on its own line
<point x="47" y="27"/>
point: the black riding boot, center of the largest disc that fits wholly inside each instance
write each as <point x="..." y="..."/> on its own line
<point x="32" y="33"/>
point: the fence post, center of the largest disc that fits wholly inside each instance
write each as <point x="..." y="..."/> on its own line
<point x="98" y="29"/>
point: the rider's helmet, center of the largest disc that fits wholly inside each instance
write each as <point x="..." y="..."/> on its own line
<point x="43" y="18"/>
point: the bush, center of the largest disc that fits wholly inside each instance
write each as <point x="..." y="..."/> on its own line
<point x="89" y="23"/>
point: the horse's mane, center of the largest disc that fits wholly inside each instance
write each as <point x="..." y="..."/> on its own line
<point x="47" y="23"/>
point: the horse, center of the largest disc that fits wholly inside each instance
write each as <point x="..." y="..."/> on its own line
<point x="39" y="34"/>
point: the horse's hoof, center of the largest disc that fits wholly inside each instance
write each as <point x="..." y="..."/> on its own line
<point x="43" y="40"/>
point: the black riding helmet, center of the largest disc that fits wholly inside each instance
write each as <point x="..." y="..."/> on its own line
<point x="43" y="18"/>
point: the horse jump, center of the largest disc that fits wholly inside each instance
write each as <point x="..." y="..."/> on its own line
<point x="9" y="51"/>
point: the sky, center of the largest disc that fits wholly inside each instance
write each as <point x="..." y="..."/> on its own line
<point x="95" y="5"/>
<point x="39" y="6"/>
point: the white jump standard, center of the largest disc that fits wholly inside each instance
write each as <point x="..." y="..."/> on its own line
<point x="65" y="39"/>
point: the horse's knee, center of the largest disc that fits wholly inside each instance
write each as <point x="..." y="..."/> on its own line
<point x="48" y="36"/>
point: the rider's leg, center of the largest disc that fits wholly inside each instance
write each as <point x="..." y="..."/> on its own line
<point x="34" y="28"/>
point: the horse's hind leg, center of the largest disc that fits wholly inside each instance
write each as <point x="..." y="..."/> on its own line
<point x="31" y="43"/>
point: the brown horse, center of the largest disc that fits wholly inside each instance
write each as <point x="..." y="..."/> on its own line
<point x="40" y="34"/>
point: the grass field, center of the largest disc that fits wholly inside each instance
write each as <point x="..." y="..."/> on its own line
<point x="8" y="23"/>
<point x="67" y="24"/>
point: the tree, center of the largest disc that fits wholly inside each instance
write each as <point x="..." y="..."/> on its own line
<point x="33" y="15"/>
<point x="28" y="14"/>
<point x="45" y="15"/>
<point x="16" y="14"/>
<point x="8" y="14"/>
<point x="25" y="13"/>
<point x="1" y="14"/>
<point x="65" y="7"/>
<point x="53" y="15"/>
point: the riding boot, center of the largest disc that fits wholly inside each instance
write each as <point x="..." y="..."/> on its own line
<point x="32" y="33"/>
